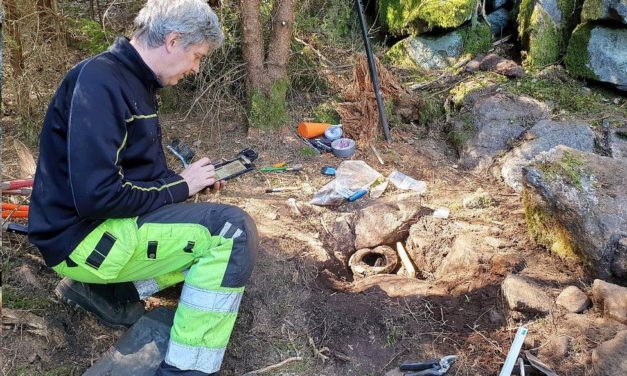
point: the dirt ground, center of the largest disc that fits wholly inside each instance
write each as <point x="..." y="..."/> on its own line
<point x="291" y="310"/>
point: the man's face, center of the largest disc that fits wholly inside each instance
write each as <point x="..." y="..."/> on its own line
<point x="182" y="61"/>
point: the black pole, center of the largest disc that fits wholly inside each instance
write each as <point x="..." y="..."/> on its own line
<point x="373" y="72"/>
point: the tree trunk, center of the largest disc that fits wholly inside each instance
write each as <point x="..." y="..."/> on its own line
<point x="280" y="39"/>
<point x="266" y="81"/>
<point x="252" y="39"/>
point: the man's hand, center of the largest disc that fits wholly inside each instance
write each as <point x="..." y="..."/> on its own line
<point x="200" y="175"/>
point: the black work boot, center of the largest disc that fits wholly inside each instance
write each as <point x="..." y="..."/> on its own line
<point x="102" y="301"/>
<point x="167" y="370"/>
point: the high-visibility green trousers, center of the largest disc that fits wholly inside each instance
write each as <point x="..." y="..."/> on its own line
<point x="211" y="247"/>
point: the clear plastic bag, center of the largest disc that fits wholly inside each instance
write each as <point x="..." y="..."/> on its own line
<point x="350" y="177"/>
<point x="402" y="181"/>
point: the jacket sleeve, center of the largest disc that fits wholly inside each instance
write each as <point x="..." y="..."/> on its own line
<point x="97" y="134"/>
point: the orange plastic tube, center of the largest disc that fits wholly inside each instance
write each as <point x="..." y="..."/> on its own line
<point x="14" y="214"/>
<point x="311" y="130"/>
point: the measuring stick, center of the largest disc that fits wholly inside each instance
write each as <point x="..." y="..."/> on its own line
<point x="512" y="355"/>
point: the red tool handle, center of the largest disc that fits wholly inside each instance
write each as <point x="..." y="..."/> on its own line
<point x="15" y="184"/>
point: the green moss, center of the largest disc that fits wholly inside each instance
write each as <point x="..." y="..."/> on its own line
<point x="460" y="135"/>
<point x="431" y="110"/>
<point x="399" y="55"/>
<point x="269" y="111"/>
<point x="92" y="38"/>
<point x="397" y="14"/>
<point x="325" y="113"/>
<point x="477" y="40"/>
<point x="546" y="230"/>
<point x="566" y="93"/>
<point x="446" y="14"/>
<point x="592" y="10"/>
<point x="545" y="41"/>
<point x="577" y="59"/>
<point x="401" y="16"/>
<point x="524" y="20"/>
<point x="568" y="169"/>
<point x="478" y="82"/>
<point x="14" y="298"/>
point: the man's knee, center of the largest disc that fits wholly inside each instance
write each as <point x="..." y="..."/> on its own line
<point x="241" y="228"/>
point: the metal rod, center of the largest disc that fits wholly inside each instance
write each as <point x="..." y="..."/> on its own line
<point x="373" y="72"/>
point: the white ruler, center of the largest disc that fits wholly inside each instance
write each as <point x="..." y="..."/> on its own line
<point x="514" y="350"/>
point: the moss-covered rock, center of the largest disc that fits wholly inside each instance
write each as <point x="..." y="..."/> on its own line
<point x="427" y="52"/>
<point x="599" y="53"/>
<point x="576" y="205"/>
<point x="544" y="29"/>
<point x="416" y="16"/>
<point x="615" y="10"/>
<point x="577" y="60"/>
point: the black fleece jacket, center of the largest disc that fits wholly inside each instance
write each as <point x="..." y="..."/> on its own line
<point x="100" y="152"/>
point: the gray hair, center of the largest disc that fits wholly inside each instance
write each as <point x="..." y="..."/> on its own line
<point x="193" y="20"/>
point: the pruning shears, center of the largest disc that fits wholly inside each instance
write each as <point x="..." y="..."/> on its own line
<point x="434" y="367"/>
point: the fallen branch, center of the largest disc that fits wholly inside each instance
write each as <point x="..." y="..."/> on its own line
<point x="273" y="366"/>
<point x="318" y="53"/>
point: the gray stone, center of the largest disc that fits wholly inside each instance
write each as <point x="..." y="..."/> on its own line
<point x="618" y="143"/>
<point x="612" y="298"/>
<point x="431" y="52"/>
<point x="387" y="220"/>
<point x="556" y="347"/>
<point x="607" y="52"/>
<point x="615" y="10"/>
<point x="610" y="358"/>
<point x="498" y="3"/>
<point x="498" y="119"/>
<point x="576" y="204"/>
<point x="544" y="136"/>
<point x="462" y="259"/>
<point x="428" y="242"/>
<point x="523" y="295"/>
<point x="573" y="299"/>
<point x="499" y="20"/>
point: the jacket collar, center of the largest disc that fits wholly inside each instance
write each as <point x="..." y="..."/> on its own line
<point x="128" y="55"/>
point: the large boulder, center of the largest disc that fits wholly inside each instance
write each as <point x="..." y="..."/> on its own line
<point x="387" y="220"/>
<point x="617" y="139"/>
<point x="576" y="205"/>
<point x="428" y="52"/>
<point x="599" y="53"/>
<point x="610" y="358"/>
<point x="499" y="20"/>
<point x="614" y="10"/>
<point x="495" y="121"/>
<point x="544" y="136"/>
<point x="402" y="16"/>
<point x="544" y="27"/>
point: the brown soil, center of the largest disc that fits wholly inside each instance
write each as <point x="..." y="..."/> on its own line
<point x="289" y="308"/>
